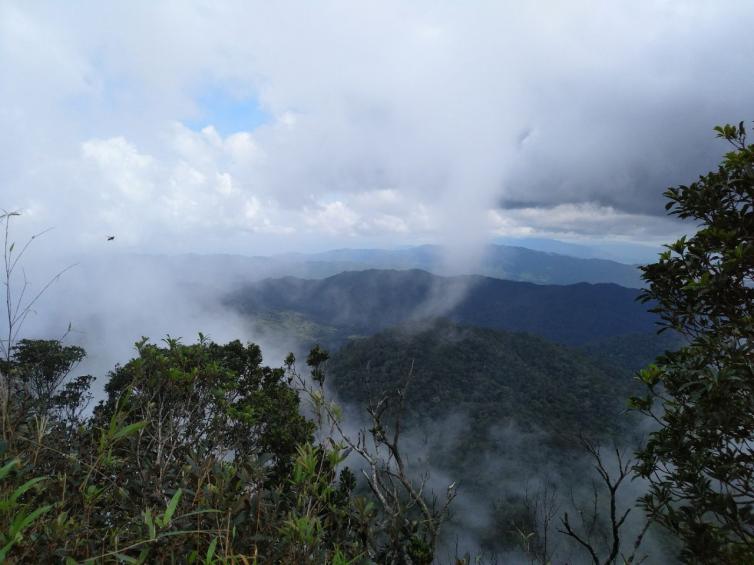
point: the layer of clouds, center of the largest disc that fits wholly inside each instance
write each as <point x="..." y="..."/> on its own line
<point x="387" y="122"/>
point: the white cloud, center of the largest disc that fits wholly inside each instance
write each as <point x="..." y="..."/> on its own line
<point x="333" y="218"/>
<point x="188" y="191"/>
<point x="390" y="121"/>
<point x="566" y="221"/>
<point x="122" y="166"/>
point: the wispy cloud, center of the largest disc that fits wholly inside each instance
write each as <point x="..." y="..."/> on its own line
<point x="554" y="118"/>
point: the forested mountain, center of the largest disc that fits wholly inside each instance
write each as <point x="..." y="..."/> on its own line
<point x="494" y="377"/>
<point x="500" y="412"/>
<point x="632" y="352"/>
<point x="364" y="302"/>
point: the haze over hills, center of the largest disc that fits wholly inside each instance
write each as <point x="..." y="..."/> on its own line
<point x="194" y="284"/>
<point x="620" y="251"/>
<point x="497" y="411"/>
<point x="495" y="401"/>
<point x="363" y="302"/>
<point x="500" y="261"/>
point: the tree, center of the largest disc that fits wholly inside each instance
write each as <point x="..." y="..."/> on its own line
<point x="405" y="518"/>
<point x="700" y="460"/>
<point x="211" y="399"/>
<point x="615" y="546"/>
<point x="40" y="369"/>
<point x="198" y="450"/>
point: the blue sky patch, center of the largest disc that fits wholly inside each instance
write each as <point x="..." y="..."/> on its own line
<point x="227" y="113"/>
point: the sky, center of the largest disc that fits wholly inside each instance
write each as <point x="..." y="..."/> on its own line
<point x="265" y="127"/>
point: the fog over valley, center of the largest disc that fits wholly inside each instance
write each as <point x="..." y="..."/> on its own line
<point x="376" y="283"/>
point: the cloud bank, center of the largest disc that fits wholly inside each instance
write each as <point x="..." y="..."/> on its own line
<point x="362" y="123"/>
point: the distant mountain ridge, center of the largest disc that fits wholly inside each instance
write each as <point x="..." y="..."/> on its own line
<point x="499" y="261"/>
<point x="364" y="302"/>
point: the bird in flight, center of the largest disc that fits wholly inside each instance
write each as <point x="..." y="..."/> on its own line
<point x="110" y="237"/>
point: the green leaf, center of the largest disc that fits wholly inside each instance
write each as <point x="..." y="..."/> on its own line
<point x="127" y="558"/>
<point x="4" y="551"/>
<point x="150" y="524"/>
<point x="25" y="487"/>
<point x="22" y="522"/>
<point x="172" y="505"/>
<point x="128" y="430"/>
<point x="210" y="552"/>
<point x="8" y="467"/>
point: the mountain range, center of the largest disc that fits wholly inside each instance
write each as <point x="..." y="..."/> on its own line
<point x="364" y="302"/>
<point x="499" y="261"/>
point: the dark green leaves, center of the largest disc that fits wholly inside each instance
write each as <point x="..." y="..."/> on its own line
<point x="703" y="287"/>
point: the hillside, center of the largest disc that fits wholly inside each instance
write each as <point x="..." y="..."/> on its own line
<point x="364" y="302"/>
<point x="495" y="378"/>
<point x="632" y="352"/>
<point x="499" y="412"/>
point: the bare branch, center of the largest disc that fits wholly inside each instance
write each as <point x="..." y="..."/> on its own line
<point x="612" y="483"/>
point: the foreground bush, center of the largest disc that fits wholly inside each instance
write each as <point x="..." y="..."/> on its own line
<point x="198" y="454"/>
<point x="188" y="458"/>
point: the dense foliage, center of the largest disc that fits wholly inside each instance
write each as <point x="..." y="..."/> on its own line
<point x="199" y="453"/>
<point x="490" y="376"/>
<point x="502" y="414"/>
<point x="631" y="352"/>
<point x="701" y="461"/>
